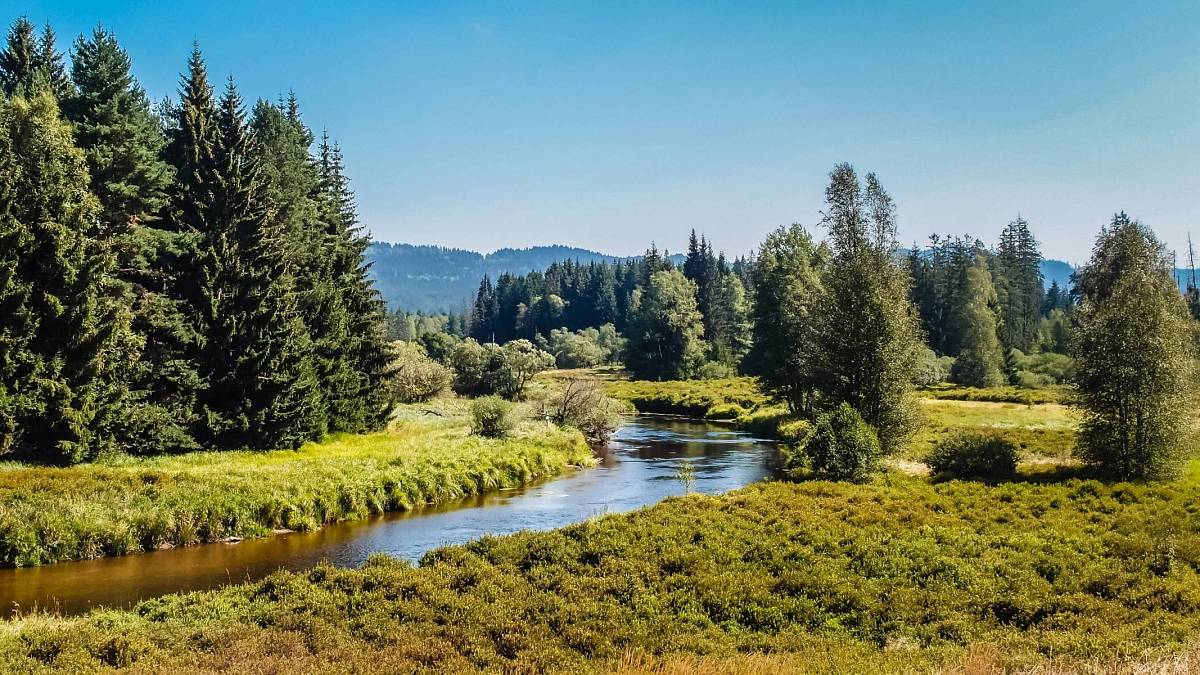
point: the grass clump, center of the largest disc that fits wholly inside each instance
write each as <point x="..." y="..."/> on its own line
<point x="128" y="505"/>
<point x="968" y="455"/>
<point x="896" y="576"/>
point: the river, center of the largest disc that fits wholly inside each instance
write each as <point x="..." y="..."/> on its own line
<point x="639" y="466"/>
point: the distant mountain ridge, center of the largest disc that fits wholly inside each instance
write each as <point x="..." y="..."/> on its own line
<point x="423" y="278"/>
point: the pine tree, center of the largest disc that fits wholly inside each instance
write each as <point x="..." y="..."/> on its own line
<point x="1135" y="349"/>
<point x="868" y="334"/>
<point x="63" y="331"/>
<point x="980" y="361"/>
<point x="122" y="141"/>
<point x="18" y="61"/>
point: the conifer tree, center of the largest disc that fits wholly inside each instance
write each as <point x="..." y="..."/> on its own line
<point x="365" y="406"/>
<point x="1019" y="285"/>
<point x="980" y="361"/>
<point x="62" y="331"/>
<point x="49" y="66"/>
<point x="262" y="391"/>
<point x="1135" y="348"/>
<point x="122" y="141"/>
<point x="868" y="334"/>
<point x="18" y="61"/>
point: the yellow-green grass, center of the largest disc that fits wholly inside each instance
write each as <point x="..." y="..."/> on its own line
<point x="126" y="505"/>
<point x="1043" y="432"/>
<point x="1007" y="394"/>
<point x="896" y="576"/>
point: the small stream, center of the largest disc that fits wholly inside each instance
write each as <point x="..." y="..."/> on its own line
<point x="638" y="467"/>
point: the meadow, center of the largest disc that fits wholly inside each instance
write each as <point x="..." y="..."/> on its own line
<point x="126" y="505"/>
<point x="901" y="575"/>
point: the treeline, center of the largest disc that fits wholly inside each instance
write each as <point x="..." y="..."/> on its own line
<point x="170" y="279"/>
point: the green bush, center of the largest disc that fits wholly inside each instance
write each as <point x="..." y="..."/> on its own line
<point x="491" y="369"/>
<point x="843" y="446"/>
<point x="416" y="377"/>
<point x="582" y="404"/>
<point x="973" y="455"/>
<point x="492" y="416"/>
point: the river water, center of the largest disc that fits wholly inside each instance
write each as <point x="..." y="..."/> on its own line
<point x="639" y="466"/>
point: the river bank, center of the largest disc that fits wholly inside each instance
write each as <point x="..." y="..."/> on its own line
<point x="129" y="505"/>
<point x="900" y="575"/>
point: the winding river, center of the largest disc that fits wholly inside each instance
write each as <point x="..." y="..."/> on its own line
<point x="639" y="466"/>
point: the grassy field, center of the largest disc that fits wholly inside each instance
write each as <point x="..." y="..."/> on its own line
<point x="899" y="575"/>
<point x="127" y="505"/>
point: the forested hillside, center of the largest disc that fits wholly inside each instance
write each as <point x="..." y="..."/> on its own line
<point x="433" y="279"/>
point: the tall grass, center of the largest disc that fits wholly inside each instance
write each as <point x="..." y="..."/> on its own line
<point x="898" y="575"/>
<point x="126" y="505"/>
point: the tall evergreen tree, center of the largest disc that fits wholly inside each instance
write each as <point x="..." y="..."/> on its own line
<point x="366" y="405"/>
<point x="122" y="141"/>
<point x="262" y="391"/>
<point x="1019" y="285"/>
<point x="62" y="328"/>
<point x="50" y="67"/>
<point x="18" y="61"/>
<point x="868" y="333"/>
<point x="1135" y="347"/>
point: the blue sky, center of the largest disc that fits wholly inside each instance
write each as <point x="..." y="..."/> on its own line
<point x="609" y="124"/>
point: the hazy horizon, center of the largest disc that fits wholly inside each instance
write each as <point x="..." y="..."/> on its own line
<point x="606" y="126"/>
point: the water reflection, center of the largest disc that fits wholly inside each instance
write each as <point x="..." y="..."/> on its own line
<point x="638" y="467"/>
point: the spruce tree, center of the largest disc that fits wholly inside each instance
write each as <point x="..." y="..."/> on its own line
<point x="62" y="330"/>
<point x="366" y="405"/>
<point x="122" y="142"/>
<point x="980" y="361"/>
<point x="49" y="67"/>
<point x="1019" y="285"/>
<point x="1135" y="349"/>
<point x="18" y="61"/>
<point x="868" y="334"/>
<point x="262" y="391"/>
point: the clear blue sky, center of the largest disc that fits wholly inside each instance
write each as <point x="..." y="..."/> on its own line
<point x="609" y="124"/>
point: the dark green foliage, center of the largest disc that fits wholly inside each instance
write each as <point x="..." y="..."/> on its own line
<point x="787" y="290"/>
<point x="843" y="446"/>
<point x="492" y="416"/>
<point x="19" y="59"/>
<point x="980" y="360"/>
<point x="1135" y="347"/>
<point x="1019" y="285"/>
<point x="868" y="335"/>
<point x="63" y="331"/>
<point x="968" y="455"/>
<point x="665" y="332"/>
<point x="122" y="141"/>
<point x="484" y="369"/>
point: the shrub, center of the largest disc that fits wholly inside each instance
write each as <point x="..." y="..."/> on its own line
<point x="438" y="346"/>
<point x="492" y="369"/>
<point x="967" y="455"/>
<point x="492" y="416"/>
<point x="843" y="446"/>
<point x="416" y="377"/>
<point x="582" y="404"/>
<point x="932" y="369"/>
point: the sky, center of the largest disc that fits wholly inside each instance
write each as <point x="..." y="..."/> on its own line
<point x="612" y="124"/>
